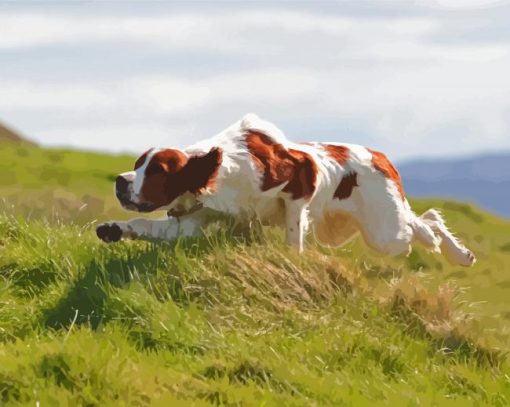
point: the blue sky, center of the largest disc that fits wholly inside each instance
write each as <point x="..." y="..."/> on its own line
<point x="423" y="78"/>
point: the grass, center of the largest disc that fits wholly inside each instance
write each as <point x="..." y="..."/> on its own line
<point x="243" y="320"/>
<point x="56" y="183"/>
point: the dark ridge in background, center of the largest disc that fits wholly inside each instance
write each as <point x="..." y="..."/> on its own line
<point x="484" y="180"/>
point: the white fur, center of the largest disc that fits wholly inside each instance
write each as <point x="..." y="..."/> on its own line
<point x="140" y="172"/>
<point x="375" y="207"/>
<point x="164" y="229"/>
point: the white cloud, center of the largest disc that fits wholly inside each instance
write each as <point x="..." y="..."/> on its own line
<point x="224" y="32"/>
<point x="23" y="94"/>
<point x="462" y="4"/>
<point x="48" y="29"/>
<point x="179" y="31"/>
<point x="169" y="95"/>
<point x="133" y="138"/>
<point x="402" y="80"/>
<point x="172" y="95"/>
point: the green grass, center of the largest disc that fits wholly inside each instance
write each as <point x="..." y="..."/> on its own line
<point x="59" y="183"/>
<point x="241" y="320"/>
<point x="485" y="287"/>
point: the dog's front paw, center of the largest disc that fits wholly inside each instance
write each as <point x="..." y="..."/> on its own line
<point x="109" y="232"/>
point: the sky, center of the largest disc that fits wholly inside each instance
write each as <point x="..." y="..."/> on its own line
<point x="418" y="78"/>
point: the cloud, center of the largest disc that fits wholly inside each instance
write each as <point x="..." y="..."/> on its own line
<point x="221" y="32"/>
<point x="119" y="138"/>
<point x="410" y="84"/>
<point x="47" y="29"/>
<point x="463" y="4"/>
<point x="174" y="96"/>
<point x="24" y="94"/>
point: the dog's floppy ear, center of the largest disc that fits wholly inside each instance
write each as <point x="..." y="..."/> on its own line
<point x="201" y="170"/>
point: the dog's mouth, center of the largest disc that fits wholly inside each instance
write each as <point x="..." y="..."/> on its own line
<point x="124" y="198"/>
<point x="138" y="207"/>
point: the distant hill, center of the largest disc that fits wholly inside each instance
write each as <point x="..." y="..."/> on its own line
<point x="484" y="180"/>
<point x="8" y="134"/>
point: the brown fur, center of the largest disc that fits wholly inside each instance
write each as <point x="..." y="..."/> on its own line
<point x="347" y="184"/>
<point x="278" y="165"/>
<point x="341" y="154"/>
<point x="384" y="166"/>
<point x="170" y="173"/>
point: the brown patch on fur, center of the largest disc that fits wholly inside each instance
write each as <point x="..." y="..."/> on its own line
<point x="339" y="153"/>
<point x="347" y="184"/>
<point x="384" y="166"/>
<point x="170" y="173"/>
<point x="278" y="165"/>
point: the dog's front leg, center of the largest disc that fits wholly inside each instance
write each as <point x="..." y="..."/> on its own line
<point x="146" y="229"/>
<point x="296" y="219"/>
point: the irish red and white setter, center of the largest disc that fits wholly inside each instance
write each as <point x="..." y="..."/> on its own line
<point x="252" y="170"/>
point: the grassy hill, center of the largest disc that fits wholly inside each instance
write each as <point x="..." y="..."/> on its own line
<point x="233" y="318"/>
<point x="55" y="183"/>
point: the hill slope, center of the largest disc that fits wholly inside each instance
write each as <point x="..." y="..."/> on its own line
<point x="234" y="318"/>
<point x="46" y="182"/>
<point x="9" y="135"/>
<point x="484" y="180"/>
<point x="219" y="321"/>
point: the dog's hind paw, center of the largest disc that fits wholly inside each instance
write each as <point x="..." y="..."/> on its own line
<point x="109" y="232"/>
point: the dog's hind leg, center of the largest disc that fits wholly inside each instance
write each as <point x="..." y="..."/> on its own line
<point x="424" y="234"/>
<point x="454" y="250"/>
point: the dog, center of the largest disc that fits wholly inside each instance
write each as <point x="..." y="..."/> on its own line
<point x="252" y="170"/>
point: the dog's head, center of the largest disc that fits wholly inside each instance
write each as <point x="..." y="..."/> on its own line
<point x="162" y="175"/>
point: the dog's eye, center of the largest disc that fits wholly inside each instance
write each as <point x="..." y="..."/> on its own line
<point x="154" y="169"/>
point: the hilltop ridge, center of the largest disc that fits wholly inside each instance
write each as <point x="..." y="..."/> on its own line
<point x="11" y="135"/>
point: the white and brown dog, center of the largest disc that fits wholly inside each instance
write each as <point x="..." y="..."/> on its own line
<point x="251" y="170"/>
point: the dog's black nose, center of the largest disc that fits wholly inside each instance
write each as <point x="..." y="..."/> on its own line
<point x="121" y="185"/>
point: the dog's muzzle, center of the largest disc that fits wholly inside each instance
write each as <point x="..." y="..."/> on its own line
<point x="122" y="188"/>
